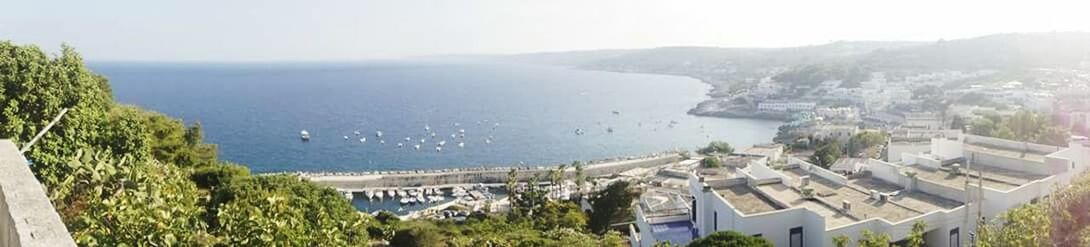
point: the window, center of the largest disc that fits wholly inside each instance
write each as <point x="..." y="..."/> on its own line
<point x="715" y="221"/>
<point x="694" y="209"/>
<point x="796" y="237"/>
<point x="955" y="238"/>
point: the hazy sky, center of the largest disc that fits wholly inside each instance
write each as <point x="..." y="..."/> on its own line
<point x="362" y="29"/>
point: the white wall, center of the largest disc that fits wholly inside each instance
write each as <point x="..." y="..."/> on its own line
<point x="947" y="149"/>
<point x="895" y="149"/>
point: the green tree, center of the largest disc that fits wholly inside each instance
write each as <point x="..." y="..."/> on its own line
<point x="418" y="235"/>
<point x="865" y="140"/>
<point x="915" y="237"/>
<point x="711" y="162"/>
<point x="717" y="147"/>
<point x="871" y="239"/>
<point x="611" y="205"/>
<point x="214" y="176"/>
<point x="826" y="154"/>
<point x="285" y="210"/>
<point x="841" y="240"/>
<point x="729" y="239"/>
<point x="556" y="214"/>
<point x="957" y="123"/>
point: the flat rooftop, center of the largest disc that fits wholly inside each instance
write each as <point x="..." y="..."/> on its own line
<point x="829" y="195"/>
<point x="1017" y="154"/>
<point x="746" y="200"/>
<point x="994" y="177"/>
<point x="716" y="173"/>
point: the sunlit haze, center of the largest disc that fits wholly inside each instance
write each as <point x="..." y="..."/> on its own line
<point x="351" y="30"/>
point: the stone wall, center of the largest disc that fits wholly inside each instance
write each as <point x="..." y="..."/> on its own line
<point x="26" y="216"/>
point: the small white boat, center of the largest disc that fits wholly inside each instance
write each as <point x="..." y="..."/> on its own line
<point x="412" y="200"/>
<point x="400" y="145"/>
<point x="443" y="142"/>
<point x="417" y="146"/>
<point x="422" y="140"/>
<point x="347" y="194"/>
<point x="461" y="144"/>
<point x="382" y="142"/>
<point x="462" y="131"/>
<point x="363" y="140"/>
<point x="369" y="194"/>
<point x="438" y="149"/>
<point x="401" y="193"/>
<point x="408" y="139"/>
<point x="304" y="135"/>
<point x="432" y="134"/>
<point x="487" y="141"/>
<point x="378" y="133"/>
<point x="345" y="138"/>
<point x="452" y="136"/>
<point x="404" y="201"/>
<point x="427" y="128"/>
<point x="357" y="132"/>
<point x="392" y="193"/>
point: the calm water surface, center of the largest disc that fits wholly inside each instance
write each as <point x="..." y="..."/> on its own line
<point x="254" y="112"/>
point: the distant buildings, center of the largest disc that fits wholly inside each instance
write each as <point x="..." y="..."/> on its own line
<point x="801" y="204"/>
<point x="785" y="106"/>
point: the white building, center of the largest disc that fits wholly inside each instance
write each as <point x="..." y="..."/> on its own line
<point x="806" y="205"/>
<point x="785" y="106"/>
<point x="923" y="120"/>
<point x="840" y="133"/>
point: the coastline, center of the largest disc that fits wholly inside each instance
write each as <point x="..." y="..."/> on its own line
<point x="697" y="110"/>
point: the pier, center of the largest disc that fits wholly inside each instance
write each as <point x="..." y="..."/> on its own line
<point x="497" y="176"/>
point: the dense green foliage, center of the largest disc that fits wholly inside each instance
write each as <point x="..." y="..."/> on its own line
<point x="284" y="210"/>
<point x="1061" y="220"/>
<point x="1024" y="126"/>
<point x="871" y="239"/>
<point x="711" y="162"/>
<point x="826" y="154"/>
<point x="860" y="143"/>
<point x="107" y="201"/>
<point x="717" y="147"/>
<point x="611" y="205"/>
<point x="915" y="237"/>
<point x="492" y="231"/>
<point x="841" y="241"/>
<point x="146" y="178"/>
<point x="729" y="239"/>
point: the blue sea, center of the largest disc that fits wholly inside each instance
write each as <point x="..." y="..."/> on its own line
<point x="528" y="113"/>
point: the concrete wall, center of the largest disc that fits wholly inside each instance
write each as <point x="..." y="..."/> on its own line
<point x="938" y="189"/>
<point x="27" y="218"/>
<point x="921" y="160"/>
<point x="761" y="171"/>
<point x="947" y="149"/>
<point x="1009" y="163"/>
<point x="895" y="149"/>
<point x="886" y="171"/>
<point x="1010" y="145"/>
<point x="818" y="171"/>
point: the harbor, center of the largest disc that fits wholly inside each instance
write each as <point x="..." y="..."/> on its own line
<point x="453" y="193"/>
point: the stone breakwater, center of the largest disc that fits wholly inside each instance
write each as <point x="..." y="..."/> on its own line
<point x="359" y="181"/>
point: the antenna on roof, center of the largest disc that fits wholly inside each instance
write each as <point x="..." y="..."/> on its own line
<point x="42" y="132"/>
